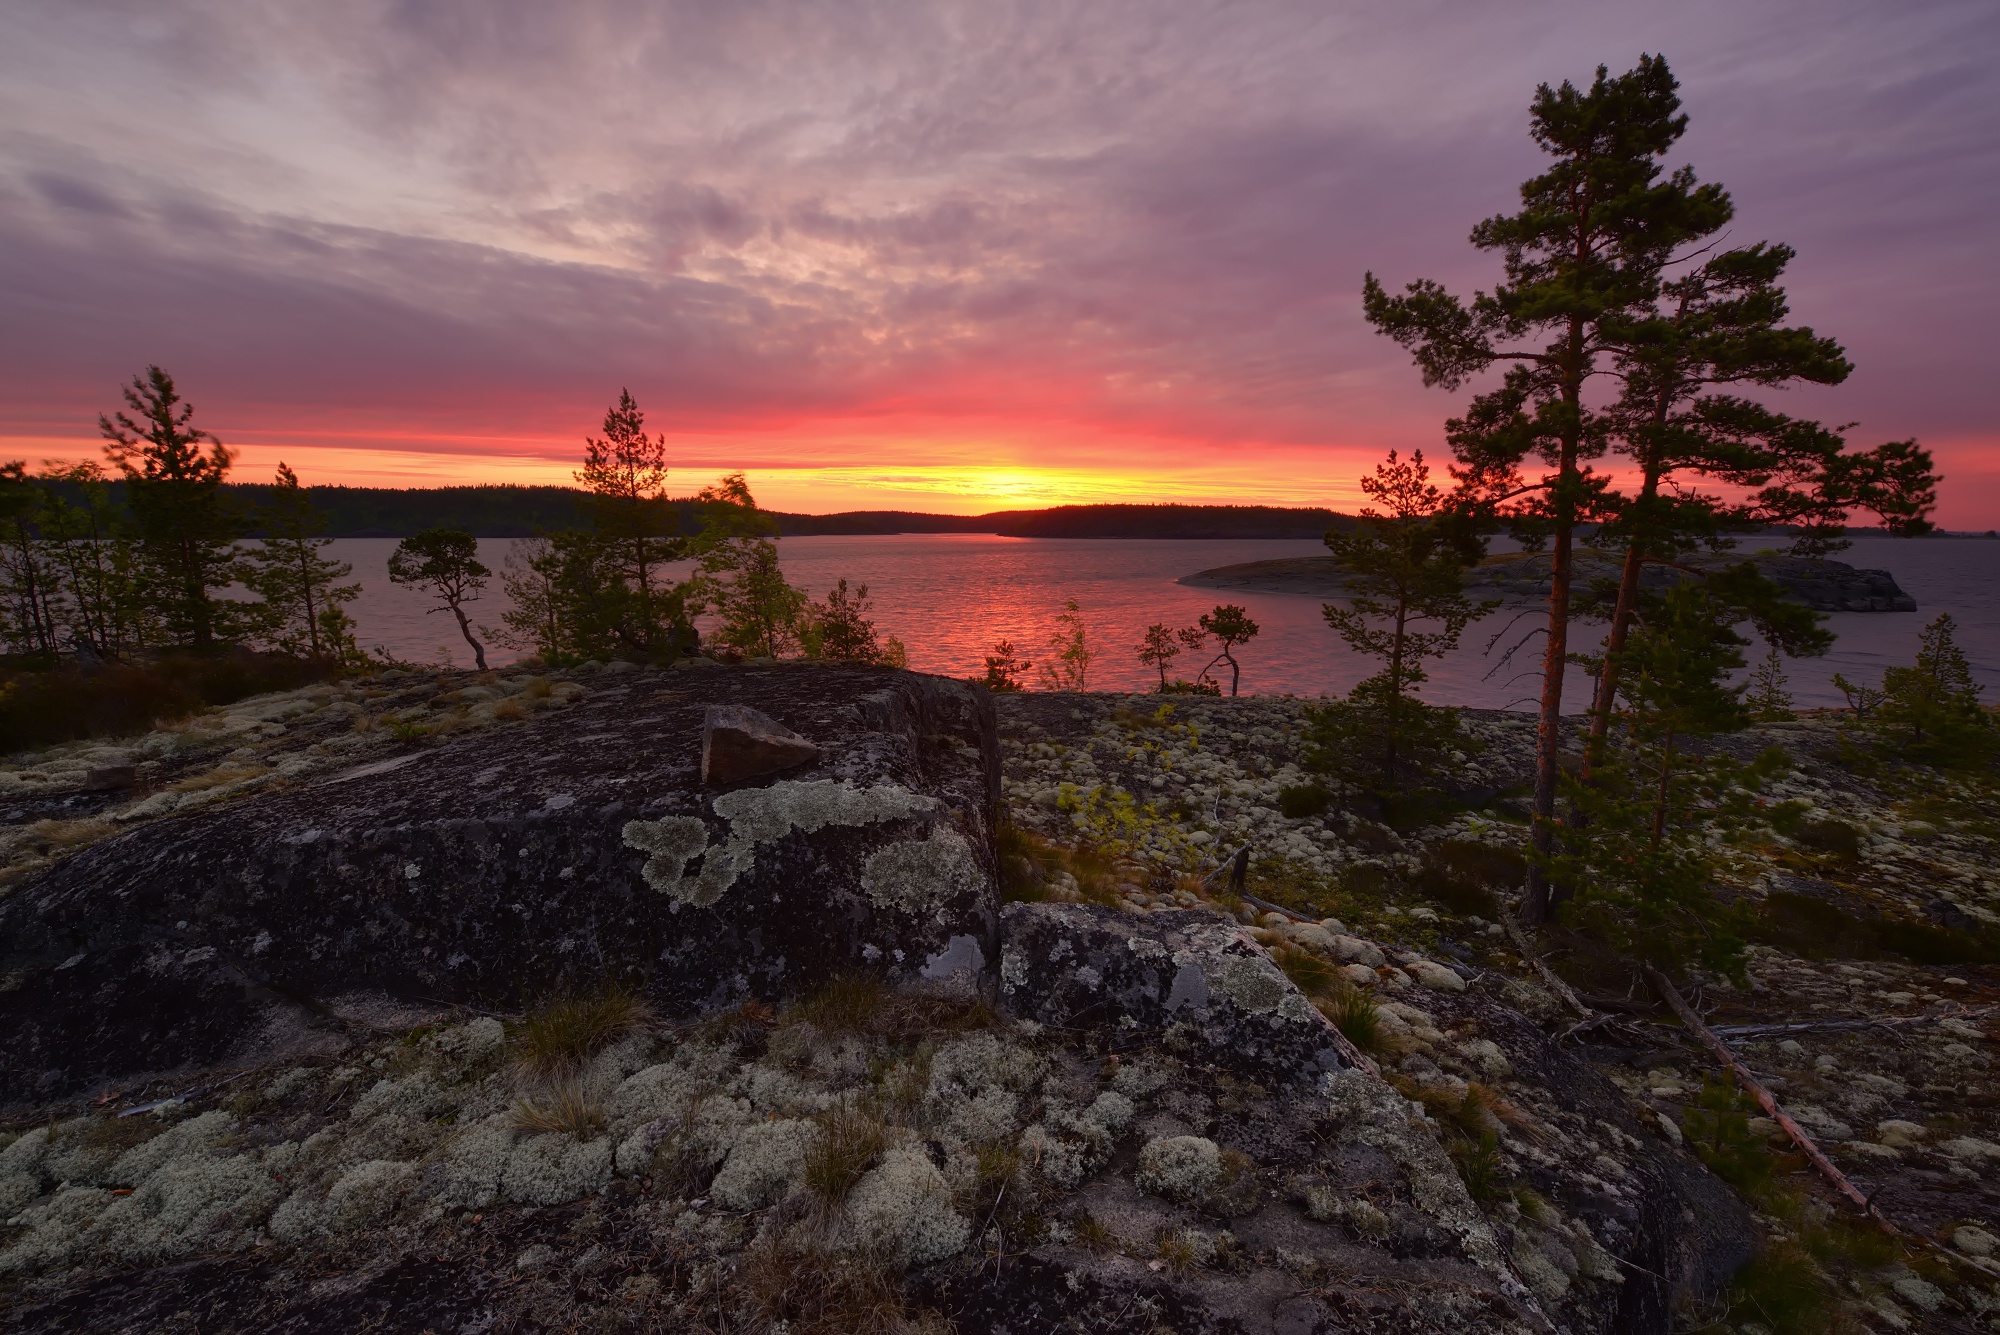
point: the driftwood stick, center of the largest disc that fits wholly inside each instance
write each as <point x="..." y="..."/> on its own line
<point x="1755" y="1088"/>
<point x="1547" y="975"/>
<point x="1269" y="907"/>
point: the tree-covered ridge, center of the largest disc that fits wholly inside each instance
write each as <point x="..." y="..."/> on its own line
<point x="508" y="510"/>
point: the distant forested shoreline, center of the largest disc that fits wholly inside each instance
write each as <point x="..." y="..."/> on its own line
<point x="512" y="511"/>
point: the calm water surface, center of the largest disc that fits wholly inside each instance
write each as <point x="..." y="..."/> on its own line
<point x="949" y="597"/>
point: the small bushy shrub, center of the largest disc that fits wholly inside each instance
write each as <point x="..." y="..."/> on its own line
<point x="60" y="704"/>
<point x="1304" y="800"/>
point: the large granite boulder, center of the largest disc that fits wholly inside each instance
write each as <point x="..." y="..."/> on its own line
<point x="567" y="852"/>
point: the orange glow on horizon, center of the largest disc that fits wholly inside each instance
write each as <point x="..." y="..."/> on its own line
<point x="927" y="474"/>
<point x="952" y="468"/>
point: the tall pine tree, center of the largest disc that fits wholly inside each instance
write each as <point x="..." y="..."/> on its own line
<point x="1583" y="255"/>
<point x="1717" y="327"/>
<point x="187" y="528"/>
<point x="625" y="474"/>
<point x="300" y="588"/>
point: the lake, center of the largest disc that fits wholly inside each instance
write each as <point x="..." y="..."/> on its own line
<point x="949" y="597"/>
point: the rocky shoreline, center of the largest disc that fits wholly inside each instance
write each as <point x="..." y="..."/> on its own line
<point x="1141" y="1123"/>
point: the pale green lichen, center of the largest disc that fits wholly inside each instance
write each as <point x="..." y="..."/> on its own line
<point x="367" y="1193"/>
<point x="1058" y="1162"/>
<point x="472" y="1164"/>
<point x="1180" y="1168"/>
<point x="756" y="815"/>
<point x="916" y="876"/>
<point x="1253" y="984"/>
<point x="759" y="815"/>
<point x="990" y="1115"/>
<point x="673" y="843"/>
<point x="555" y="1168"/>
<point x="765" y="1160"/>
<point x="903" y="1207"/>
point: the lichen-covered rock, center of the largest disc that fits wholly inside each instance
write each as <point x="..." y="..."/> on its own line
<point x="1189" y="972"/>
<point x="566" y="850"/>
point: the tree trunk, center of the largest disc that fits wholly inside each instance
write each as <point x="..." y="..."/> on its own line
<point x="465" y="629"/>
<point x="1660" y="798"/>
<point x="1607" y="677"/>
<point x="1539" y="897"/>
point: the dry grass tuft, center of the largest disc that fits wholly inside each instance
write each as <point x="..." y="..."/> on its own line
<point x="1092" y="1233"/>
<point x="568" y="1107"/>
<point x="1177" y="1249"/>
<point x="559" y="1039"/>
<point x="859" y="1003"/>
<point x="814" y="1291"/>
<point x="851" y="1140"/>
<point x="1355" y="1014"/>
<point x="53" y="836"/>
<point x="221" y="777"/>
<point x="750" y="1023"/>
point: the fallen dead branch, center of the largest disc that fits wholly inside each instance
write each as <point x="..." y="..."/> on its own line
<point x="1543" y="971"/>
<point x="1755" y="1089"/>
<point x="1845" y="1025"/>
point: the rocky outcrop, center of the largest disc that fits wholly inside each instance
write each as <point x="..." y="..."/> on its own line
<point x="564" y="851"/>
<point x="1523" y="580"/>
<point x="1190" y="973"/>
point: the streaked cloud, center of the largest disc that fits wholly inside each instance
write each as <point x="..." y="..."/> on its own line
<point x="889" y="240"/>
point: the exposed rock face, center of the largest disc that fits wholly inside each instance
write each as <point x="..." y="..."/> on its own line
<point x="1074" y="965"/>
<point x="501" y="867"/>
<point x="1826" y="586"/>
<point x="1265" y="1144"/>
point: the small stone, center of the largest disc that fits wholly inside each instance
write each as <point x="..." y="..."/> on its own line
<point x="1974" y="1241"/>
<point x="1431" y="974"/>
<point x="739" y="743"/>
<point x="1899" y="1134"/>
<point x="1353" y="950"/>
<point x="1919" y="1293"/>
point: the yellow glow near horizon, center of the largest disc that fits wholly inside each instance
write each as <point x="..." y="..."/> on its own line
<point x="781" y="480"/>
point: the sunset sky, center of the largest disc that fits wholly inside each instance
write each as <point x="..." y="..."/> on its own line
<point x="934" y="256"/>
